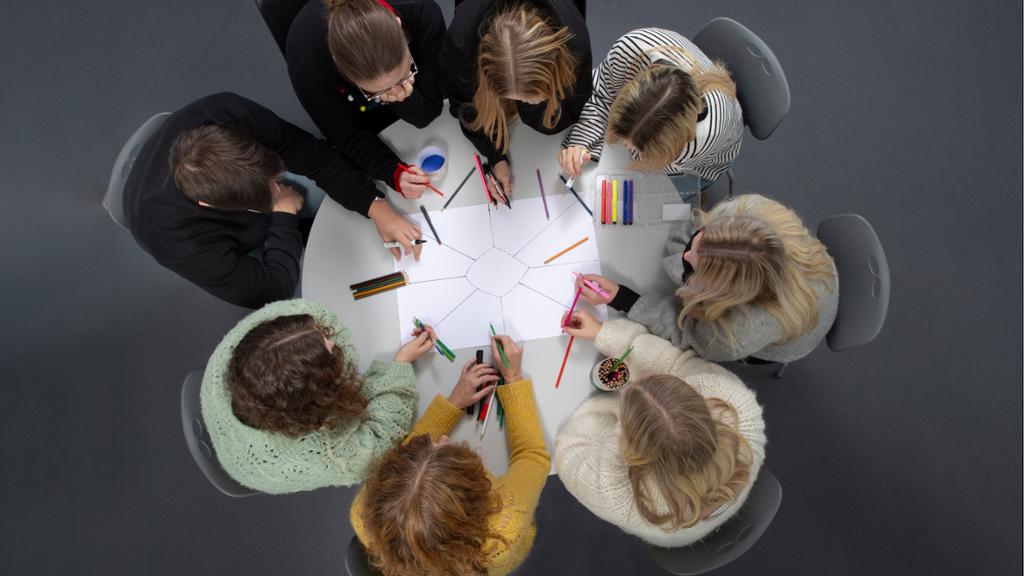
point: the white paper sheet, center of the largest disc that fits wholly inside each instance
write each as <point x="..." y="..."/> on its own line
<point x="491" y="269"/>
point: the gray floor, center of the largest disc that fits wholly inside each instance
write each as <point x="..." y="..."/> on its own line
<point x="903" y="457"/>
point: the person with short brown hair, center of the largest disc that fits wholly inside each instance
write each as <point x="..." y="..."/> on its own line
<point x="287" y="408"/>
<point x="203" y="198"/>
<point x="430" y="508"/>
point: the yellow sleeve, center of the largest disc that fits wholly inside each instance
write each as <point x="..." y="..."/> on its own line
<point x="529" y="462"/>
<point x="439" y="419"/>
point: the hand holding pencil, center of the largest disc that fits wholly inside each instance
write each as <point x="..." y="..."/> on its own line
<point x="476" y="381"/>
<point x="581" y="325"/>
<point x="595" y="289"/>
<point x="412" y="181"/>
<point x="511" y="355"/>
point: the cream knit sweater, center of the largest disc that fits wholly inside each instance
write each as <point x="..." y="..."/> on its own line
<point x="587" y="450"/>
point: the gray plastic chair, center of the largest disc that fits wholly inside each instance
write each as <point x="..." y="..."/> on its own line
<point x="356" y="561"/>
<point x="113" y="200"/>
<point x="761" y="86"/>
<point x="198" y="439"/>
<point x="863" y="280"/>
<point x="733" y="539"/>
<point x="279" y="15"/>
<point x="581" y="5"/>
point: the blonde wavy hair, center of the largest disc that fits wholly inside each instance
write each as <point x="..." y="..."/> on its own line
<point x="521" y="54"/>
<point x="756" y="251"/>
<point x="657" y="110"/>
<point x="427" y="510"/>
<point x="681" y="447"/>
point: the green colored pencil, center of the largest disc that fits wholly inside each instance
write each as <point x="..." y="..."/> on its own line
<point x="501" y="349"/>
<point x="620" y="359"/>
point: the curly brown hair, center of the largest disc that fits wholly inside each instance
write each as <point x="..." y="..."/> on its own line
<point x="427" y="509"/>
<point x="283" y="379"/>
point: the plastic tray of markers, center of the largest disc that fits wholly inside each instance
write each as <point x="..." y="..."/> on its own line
<point x="624" y="198"/>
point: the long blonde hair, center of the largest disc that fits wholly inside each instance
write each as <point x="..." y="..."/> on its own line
<point x="681" y="447"/>
<point x="757" y="251"/>
<point x="520" y="54"/>
<point x="657" y="110"/>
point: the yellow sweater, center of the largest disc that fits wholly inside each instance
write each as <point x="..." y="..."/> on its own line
<point x="519" y="488"/>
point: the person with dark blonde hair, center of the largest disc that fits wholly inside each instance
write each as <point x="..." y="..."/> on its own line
<point x="204" y="197"/>
<point x="673" y="455"/>
<point x="287" y="409"/>
<point x="753" y="282"/>
<point x="357" y="66"/>
<point x="672" y="107"/>
<point x="504" y="60"/>
<point x="430" y="508"/>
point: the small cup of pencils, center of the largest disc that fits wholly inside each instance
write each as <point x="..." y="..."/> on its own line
<point x="609" y="374"/>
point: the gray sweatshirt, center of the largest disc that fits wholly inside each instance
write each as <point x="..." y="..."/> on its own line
<point x="753" y="327"/>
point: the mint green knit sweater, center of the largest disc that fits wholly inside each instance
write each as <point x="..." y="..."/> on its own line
<point x="275" y="463"/>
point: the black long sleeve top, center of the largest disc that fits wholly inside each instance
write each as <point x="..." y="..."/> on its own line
<point x="337" y="106"/>
<point x="210" y="246"/>
<point x="459" y="65"/>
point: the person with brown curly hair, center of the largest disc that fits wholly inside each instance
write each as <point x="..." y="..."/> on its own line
<point x="430" y="508"/>
<point x="287" y="409"/>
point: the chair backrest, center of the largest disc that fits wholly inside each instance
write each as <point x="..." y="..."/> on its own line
<point x="732" y="539"/>
<point x="279" y="15"/>
<point x="113" y="200"/>
<point x="863" y="280"/>
<point x="761" y="86"/>
<point x="198" y="439"/>
<point x="581" y="5"/>
<point x="356" y="562"/>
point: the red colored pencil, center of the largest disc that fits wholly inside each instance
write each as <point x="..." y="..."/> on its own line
<point x="429" y="185"/>
<point x="604" y="201"/>
<point x="568" y="317"/>
<point x="562" y="369"/>
<point x="483" y="177"/>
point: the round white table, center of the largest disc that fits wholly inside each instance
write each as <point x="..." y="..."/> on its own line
<point x="344" y="248"/>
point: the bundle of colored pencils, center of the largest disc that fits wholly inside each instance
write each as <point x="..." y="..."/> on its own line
<point x="377" y="285"/>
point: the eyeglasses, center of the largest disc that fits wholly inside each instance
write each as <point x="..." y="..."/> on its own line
<point x="376" y="96"/>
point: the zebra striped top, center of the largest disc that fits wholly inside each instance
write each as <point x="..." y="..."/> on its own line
<point x="719" y="132"/>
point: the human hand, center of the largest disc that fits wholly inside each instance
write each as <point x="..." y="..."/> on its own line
<point x="413" y="182"/>
<point x="513" y="372"/>
<point x="503" y="174"/>
<point x="285" y="198"/>
<point x="398" y="92"/>
<point x="572" y="159"/>
<point x="392" y="227"/>
<point x="474" y="376"/>
<point x="590" y="296"/>
<point x="581" y="325"/>
<point x="418" y="346"/>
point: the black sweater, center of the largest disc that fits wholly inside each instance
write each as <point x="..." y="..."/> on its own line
<point x="459" y="65"/>
<point x="210" y="246"/>
<point x="338" y="107"/>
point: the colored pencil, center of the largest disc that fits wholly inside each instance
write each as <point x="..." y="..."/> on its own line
<point x="483" y="177"/>
<point x="625" y="202"/>
<point x="585" y="238"/>
<point x="568" y="317"/>
<point x="562" y="369"/>
<point x="361" y="285"/>
<point x="381" y="283"/>
<point x="582" y="203"/>
<point x="441" y="348"/>
<point x="497" y="187"/>
<point x="479" y="360"/>
<point x="431" y="224"/>
<point x="615" y="200"/>
<point x="501" y="349"/>
<point x="620" y="359"/>
<point x="429" y="185"/>
<point x="604" y="201"/>
<point x="461" y="184"/>
<point x="593" y="286"/>
<point x="543" y="198"/>
<point x="632" y="202"/>
<point x="487" y="408"/>
<point x="361" y="295"/>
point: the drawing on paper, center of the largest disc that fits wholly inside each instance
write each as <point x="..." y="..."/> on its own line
<point x="491" y="269"/>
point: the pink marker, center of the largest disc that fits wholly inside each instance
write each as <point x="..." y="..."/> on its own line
<point x="593" y="286"/>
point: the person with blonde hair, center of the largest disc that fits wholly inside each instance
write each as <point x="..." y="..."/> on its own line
<point x="673" y="455"/>
<point x="504" y="60"/>
<point x="430" y="508"/>
<point x="672" y="107"/>
<point x="753" y="282"/>
<point x="357" y="66"/>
